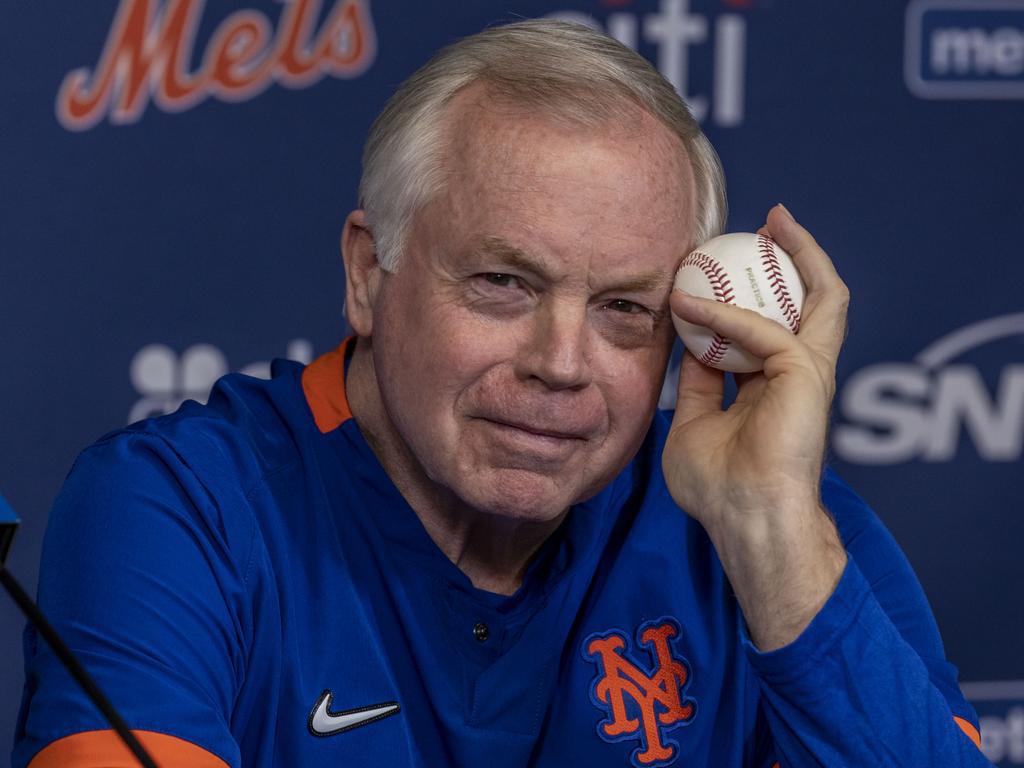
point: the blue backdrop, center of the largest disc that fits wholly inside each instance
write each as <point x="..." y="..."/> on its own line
<point x="176" y="175"/>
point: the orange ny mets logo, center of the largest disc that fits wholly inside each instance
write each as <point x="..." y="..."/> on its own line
<point x="641" y="704"/>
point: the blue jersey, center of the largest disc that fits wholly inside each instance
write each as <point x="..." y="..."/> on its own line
<point x="250" y="589"/>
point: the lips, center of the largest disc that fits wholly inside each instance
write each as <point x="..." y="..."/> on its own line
<point x="526" y="444"/>
<point x="539" y="430"/>
<point x="552" y="428"/>
<point x="559" y="422"/>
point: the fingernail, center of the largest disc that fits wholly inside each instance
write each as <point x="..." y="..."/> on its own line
<point x="785" y="210"/>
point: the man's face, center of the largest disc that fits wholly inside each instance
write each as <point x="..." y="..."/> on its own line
<point x="521" y="344"/>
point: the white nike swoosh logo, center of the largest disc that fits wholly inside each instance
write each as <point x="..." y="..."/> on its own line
<point x="323" y="723"/>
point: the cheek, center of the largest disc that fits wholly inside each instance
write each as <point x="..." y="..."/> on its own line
<point x="632" y="385"/>
<point x="456" y="350"/>
<point x="429" y="353"/>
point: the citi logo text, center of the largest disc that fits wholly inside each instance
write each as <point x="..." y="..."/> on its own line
<point x="149" y="51"/>
<point x="640" y="704"/>
<point x="965" y="49"/>
<point x="164" y="380"/>
<point x="895" y="412"/>
<point x="1002" y="737"/>
<point x="720" y="44"/>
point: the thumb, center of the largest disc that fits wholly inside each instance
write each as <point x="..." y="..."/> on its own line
<point x="701" y="390"/>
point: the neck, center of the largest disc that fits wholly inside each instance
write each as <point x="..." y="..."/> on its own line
<point x="492" y="550"/>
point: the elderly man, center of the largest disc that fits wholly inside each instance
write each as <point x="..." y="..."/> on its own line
<point x="466" y="536"/>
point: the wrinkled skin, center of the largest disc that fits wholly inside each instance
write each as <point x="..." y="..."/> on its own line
<point x="511" y="365"/>
<point x="518" y="350"/>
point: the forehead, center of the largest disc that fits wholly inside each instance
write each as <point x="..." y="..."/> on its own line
<point x="488" y="133"/>
<point x="620" y="187"/>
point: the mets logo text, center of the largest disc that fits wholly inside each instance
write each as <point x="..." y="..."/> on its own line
<point x="641" y="705"/>
<point x="150" y="55"/>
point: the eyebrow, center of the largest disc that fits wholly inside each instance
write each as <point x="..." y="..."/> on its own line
<point x="516" y="257"/>
<point x="648" y="281"/>
<point x="503" y="250"/>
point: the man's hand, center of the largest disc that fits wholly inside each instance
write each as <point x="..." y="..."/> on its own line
<point x="751" y="474"/>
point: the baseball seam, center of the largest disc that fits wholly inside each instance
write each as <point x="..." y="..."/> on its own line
<point x="722" y="288"/>
<point x="773" y="270"/>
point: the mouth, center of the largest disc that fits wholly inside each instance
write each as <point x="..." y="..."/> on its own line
<point x="541" y="442"/>
<point x="533" y="430"/>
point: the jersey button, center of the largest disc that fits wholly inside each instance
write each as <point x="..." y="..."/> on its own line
<point x="480" y="632"/>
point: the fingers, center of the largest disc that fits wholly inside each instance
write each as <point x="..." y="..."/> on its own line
<point x="754" y="332"/>
<point x="815" y="266"/>
<point x="701" y="389"/>
<point x="823" y="319"/>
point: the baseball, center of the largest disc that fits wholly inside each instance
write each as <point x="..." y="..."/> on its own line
<point x="749" y="271"/>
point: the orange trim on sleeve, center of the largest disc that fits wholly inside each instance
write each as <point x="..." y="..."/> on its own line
<point x="104" y="749"/>
<point x="323" y="383"/>
<point x="970" y="730"/>
<point x="965" y="726"/>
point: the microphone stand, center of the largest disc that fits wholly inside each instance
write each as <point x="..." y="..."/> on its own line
<point x="8" y="524"/>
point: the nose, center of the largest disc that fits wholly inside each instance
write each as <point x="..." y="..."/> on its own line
<point x="557" y="350"/>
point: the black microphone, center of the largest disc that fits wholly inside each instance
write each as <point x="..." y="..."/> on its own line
<point x="8" y="525"/>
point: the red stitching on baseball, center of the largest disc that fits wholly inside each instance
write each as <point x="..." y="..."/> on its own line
<point x="722" y="288"/>
<point x="772" y="268"/>
<point x="713" y="271"/>
<point x="716" y="350"/>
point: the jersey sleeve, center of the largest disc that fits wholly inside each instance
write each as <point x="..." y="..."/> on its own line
<point x="867" y="682"/>
<point x="143" y="576"/>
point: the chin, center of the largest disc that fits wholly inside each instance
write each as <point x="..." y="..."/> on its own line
<point x="520" y="495"/>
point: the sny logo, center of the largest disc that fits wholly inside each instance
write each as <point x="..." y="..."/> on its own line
<point x="641" y="705"/>
<point x="923" y="410"/>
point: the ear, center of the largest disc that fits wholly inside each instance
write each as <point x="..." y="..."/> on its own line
<point x="362" y="273"/>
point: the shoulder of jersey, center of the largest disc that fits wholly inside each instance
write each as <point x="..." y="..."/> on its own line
<point x="248" y="427"/>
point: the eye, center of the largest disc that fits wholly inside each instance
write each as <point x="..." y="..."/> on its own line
<point x="624" y="306"/>
<point x="500" y="279"/>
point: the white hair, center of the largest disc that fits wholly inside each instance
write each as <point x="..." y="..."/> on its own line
<point x="560" y="69"/>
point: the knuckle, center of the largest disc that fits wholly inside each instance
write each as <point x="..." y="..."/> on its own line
<point x="839" y="297"/>
<point x="843" y="293"/>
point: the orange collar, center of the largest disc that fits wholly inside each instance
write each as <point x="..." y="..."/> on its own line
<point x="323" y="382"/>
